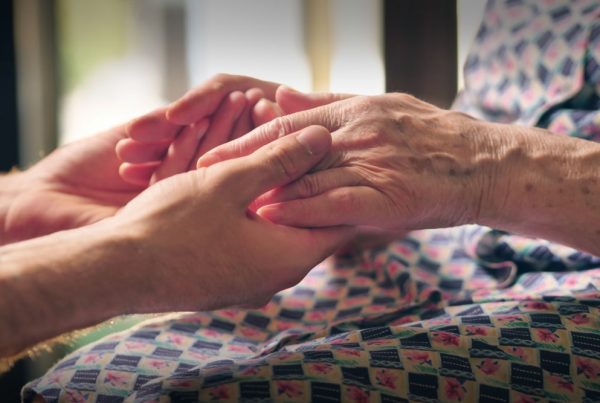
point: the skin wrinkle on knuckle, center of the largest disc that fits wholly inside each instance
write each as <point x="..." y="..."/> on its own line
<point x="407" y="99"/>
<point x="284" y="161"/>
<point x="233" y="148"/>
<point x="220" y="79"/>
<point x="346" y="202"/>
<point x="308" y="186"/>
<point x="330" y="117"/>
<point x="282" y="126"/>
<point x="362" y="106"/>
<point x="404" y="122"/>
<point x="215" y="85"/>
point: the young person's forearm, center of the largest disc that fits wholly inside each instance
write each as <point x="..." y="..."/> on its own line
<point x="60" y="282"/>
<point x="548" y="187"/>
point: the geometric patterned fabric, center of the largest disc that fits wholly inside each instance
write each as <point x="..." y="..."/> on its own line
<point x="466" y="314"/>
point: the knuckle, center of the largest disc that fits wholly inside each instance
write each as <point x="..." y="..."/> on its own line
<point x="218" y="82"/>
<point x="359" y="105"/>
<point x="220" y="77"/>
<point x="365" y="103"/>
<point x="215" y="86"/>
<point x="334" y="116"/>
<point x="363" y="107"/>
<point x="282" y="126"/>
<point x="309" y="186"/>
<point x="284" y="161"/>
<point x="236" y="147"/>
<point x="403" y="98"/>
<point x="347" y="201"/>
<point x="404" y="122"/>
<point x="406" y="97"/>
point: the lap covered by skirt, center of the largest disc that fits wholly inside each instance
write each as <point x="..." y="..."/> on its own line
<point x="459" y="314"/>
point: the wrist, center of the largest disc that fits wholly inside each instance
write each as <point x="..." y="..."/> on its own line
<point x="544" y="185"/>
<point x="500" y="159"/>
<point x="467" y="172"/>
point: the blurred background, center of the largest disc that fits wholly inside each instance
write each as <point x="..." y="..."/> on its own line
<point x="70" y="68"/>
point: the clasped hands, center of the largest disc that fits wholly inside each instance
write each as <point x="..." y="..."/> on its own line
<point x="238" y="189"/>
<point x="259" y="206"/>
<point x="396" y="163"/>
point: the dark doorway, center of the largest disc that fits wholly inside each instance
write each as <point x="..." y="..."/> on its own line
<point x="9" y="136"/>
<point x="421" y="49"/>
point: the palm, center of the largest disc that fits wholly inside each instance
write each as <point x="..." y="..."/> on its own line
<point x="76" y="185"/>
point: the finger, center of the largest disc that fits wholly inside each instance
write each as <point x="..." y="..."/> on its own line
<point x="297" y="250"/>
<point x="369" y="238"/>
<point x="265" y="111"/>
<point x="308" y="247"/>
<point x="311" y="185"/>
<point x="275" y="164"/>
<point x="292" y="101"/>
<point x="326" y="116"/>
<point x="325" y="241"/>
<point x="137" y="174"/>
<point x="204" y="100"/>
<point x="358" y="205"/>
<point x="221" y="124"/>
<point x="181" y="152"/>
<point x="133" y="151"/>
<point x="152" y="127"/>
<point x="244" y="123"/>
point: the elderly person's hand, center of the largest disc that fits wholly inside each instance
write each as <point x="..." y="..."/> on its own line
<point x="187" y="243"/>
<point x="392" y="159"/>
<point x="397" y="162"/>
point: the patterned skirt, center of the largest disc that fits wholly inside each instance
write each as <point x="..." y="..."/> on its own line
<point x="461" y="314"/>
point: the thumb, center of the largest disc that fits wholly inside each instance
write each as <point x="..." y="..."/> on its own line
<point x="292" y="101"/>
<point x="275" y="164"/>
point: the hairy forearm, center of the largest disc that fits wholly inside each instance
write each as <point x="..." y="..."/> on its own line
<point x="546" y="186"/>
<point x="60" y="282"/>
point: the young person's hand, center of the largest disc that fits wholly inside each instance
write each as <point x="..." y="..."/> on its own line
<point x="76" y="185"/>
<point x="171" y="139"/>
<point x="198" y="225"/>
<point x="79" y="184"/>
<point x="189" y="242"/>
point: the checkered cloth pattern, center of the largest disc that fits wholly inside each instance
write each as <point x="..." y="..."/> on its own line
<point x="461" y="314"/>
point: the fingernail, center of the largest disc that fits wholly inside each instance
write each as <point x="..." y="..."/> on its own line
<point x="268" y="212"/>
<point x="207" y="160"/>
<point x="316" y="140"/>
<point x="173" y="115"/>
<point x="290" y="89"/>
<point x="169" y="112"/>
<point x="201" y="128"/>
